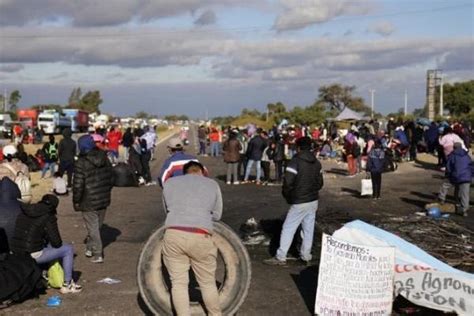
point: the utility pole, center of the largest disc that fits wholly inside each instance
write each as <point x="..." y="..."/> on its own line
<point x="5" y="100"/>
<point x="372" y="91"/>
<point x="406" y="102"/>
<point x="441" y="104"/>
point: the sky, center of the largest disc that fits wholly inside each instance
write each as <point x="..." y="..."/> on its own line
<point x="219" y="56"/>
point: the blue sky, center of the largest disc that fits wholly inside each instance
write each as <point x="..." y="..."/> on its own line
<point x="193" y="56"/>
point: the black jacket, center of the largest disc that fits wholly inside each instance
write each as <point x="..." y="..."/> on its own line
<point x="256" y="147"/>
<point x="9" y="210"/>
<point x="127" y="139"/>
<point x="93" y="181"/>
<point x="35" y="227"/>
<point x="303" y="179"/>
<point x="67" y="147"/>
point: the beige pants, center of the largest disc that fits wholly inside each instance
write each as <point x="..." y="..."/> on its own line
<point x="182" y="250"/>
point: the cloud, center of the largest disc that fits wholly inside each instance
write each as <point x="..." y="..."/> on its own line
<point x="383" y="28"/>
<point x="11" y="67"/>
<point x="206" y="18"/>
<point x="90" y="13"/>
<point x="299" y="14"/>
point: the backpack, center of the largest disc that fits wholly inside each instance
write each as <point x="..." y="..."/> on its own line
<point x="23" y="183"/>
<point x="52" y="151"/>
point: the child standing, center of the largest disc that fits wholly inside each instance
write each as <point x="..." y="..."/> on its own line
<point x="375" y="166"/>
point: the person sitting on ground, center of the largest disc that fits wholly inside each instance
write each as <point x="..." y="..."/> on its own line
<point x="326" y="149"/>
<point x="173" y="166"/>
<point x="9" y="210"/>
<point x="36" y="227"/>
<point x="11" y="166"/>
<point x="459" y="170"/>
<point x="59" y="185"/>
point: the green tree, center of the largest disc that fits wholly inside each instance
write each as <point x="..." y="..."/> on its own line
<point x="338" y="97"/>
<point x="142" y="115"/>
<point x="15" y="97"/>
<point x="91" y="101"/>
<point x="459" y="97"/>
<point x="75" y="98"/>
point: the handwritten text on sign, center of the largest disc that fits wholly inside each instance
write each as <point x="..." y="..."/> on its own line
<point x="354" y="279"/>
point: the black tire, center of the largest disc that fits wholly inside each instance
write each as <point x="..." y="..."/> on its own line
<point x="154" y="289"/>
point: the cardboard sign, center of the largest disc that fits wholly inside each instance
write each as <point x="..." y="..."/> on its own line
<point x="354" y="279"/>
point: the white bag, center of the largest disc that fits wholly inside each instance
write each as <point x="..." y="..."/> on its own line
<point x="23" y="183"/>
<point x="366" y="187"/>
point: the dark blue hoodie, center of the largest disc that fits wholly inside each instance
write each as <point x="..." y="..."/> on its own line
<point x="9" y="210"/>
<point x="458" y="166"/>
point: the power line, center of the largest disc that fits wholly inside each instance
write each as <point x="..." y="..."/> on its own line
<point x="234" y="30"/>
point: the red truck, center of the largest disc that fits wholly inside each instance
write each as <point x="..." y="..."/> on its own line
<point x="28" y="117"/>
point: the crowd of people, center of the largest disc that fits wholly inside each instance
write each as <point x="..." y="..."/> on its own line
<point x="293" y="151"/>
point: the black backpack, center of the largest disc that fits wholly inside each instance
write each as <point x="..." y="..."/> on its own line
<point x="357" y="150"/>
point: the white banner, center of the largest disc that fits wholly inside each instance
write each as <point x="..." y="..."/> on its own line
<point x="354" y="279"/>
<point x="435" y="289"/>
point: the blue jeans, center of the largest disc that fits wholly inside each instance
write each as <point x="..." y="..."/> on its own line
<point x="304" y="214"/>
<point x="65" y="253"/>
<point x="214" y="149"/>
<point x="48" y="165"/>
<point x="249" y="168"/>
<point x="202" y="146"/>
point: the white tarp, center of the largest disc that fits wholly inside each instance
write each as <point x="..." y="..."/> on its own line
<point x="419" y="277"/>
<point x="354" y="279"/>
<point x="348" y="114"/>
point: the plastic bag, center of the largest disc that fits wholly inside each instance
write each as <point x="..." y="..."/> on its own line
<point x="366" y="187"/>
<point x="56" y="275"/>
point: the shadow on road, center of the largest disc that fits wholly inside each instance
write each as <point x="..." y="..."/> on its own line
<point x="338" y="171"/>
<point x="306" y="282"/>
<point x="417" y="203"/>
<point x="109" y="234"/>
<point x="354" y="193"/>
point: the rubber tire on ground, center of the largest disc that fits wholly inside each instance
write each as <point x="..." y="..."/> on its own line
<point x="233" y="291"/>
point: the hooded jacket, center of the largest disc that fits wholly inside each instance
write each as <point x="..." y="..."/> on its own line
<point x="231" y="149"/>
<point x="303" y="179"/>
<point x="67" y="147"/>
<point x="35" y="227"/>
<point x="9" y="210"/>
<point x="376" y="160"/>
<point x="93" y="181"/>
<point x="17" y="165"/>
<point x="256" y="147"/>
<point x="459" y="166"/>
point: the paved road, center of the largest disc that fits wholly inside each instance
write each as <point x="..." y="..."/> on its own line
<point x="136" y="212"/>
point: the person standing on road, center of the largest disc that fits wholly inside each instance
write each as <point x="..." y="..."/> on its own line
<point x="459" y="170"/>
<point x="255" y="150"/>
<point x="214" y="137"/>
<point x="67" y="153"/>
<point x="173" y="166"/>
<point x="231" y="151"/>
<point x="188" y="236"/>
<point x="202" y="138"/>
<point x="302" y="182"/>
<point x="375" y="165"/>
<point x="114" y="138"/>
<point x="91" y="195"/>
<point x="127" y="142"/>
<point x="50" y="150"/>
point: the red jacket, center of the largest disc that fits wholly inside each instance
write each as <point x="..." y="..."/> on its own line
<point x="114" y="139"/>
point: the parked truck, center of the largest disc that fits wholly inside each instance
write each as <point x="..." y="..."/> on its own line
<point x="29" y="117"/>
<point x="53" y="122"/>
<point x="5" y="120"/>
<point x="79" y="120"/>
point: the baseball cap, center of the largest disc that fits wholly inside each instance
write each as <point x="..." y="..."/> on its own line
<point x="175" y="143"/>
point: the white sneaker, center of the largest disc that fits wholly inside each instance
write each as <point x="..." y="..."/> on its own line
<point x="228" y="182"/>
<point x="236" y="182"/>
<point x="99" y="259"/>
<point x="88" y="253"/>
<point x="70" y="288"/>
